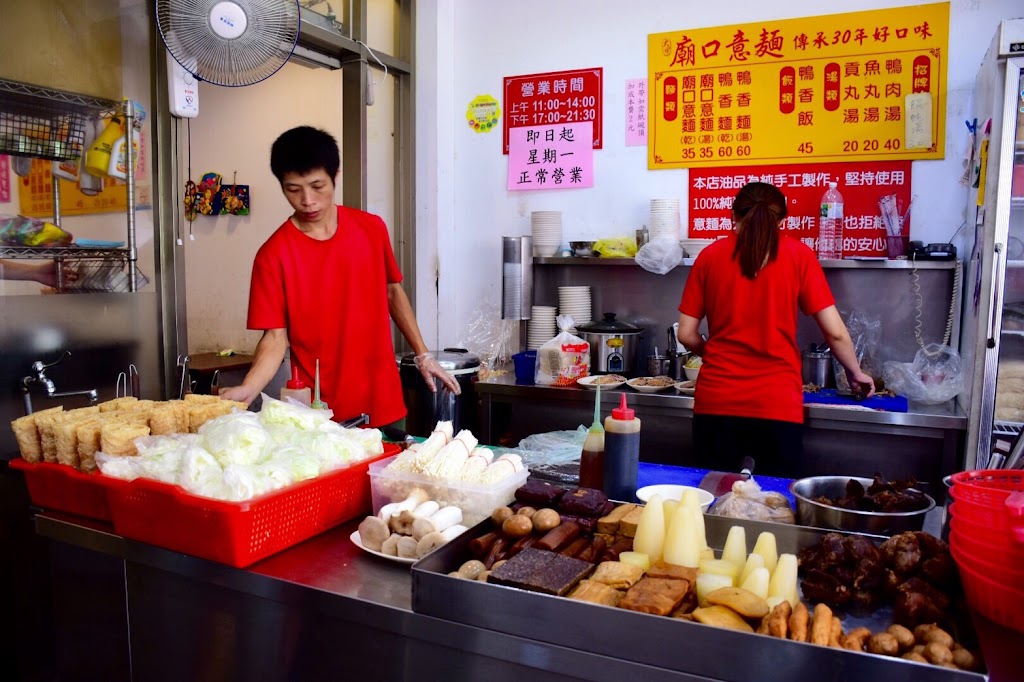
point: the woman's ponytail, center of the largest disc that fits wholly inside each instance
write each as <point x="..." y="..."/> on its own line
<point x="757" y="210"/>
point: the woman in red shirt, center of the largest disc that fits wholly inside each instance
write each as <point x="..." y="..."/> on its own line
<point x="750" y="286"/>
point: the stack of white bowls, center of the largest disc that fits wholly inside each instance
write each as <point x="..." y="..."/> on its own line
<point x="575" y="301"/>
<point x="693" y="247"/>
<point x="542" y="327"/>
<point x="664" y="219"/>
<point x="546" y="227"/>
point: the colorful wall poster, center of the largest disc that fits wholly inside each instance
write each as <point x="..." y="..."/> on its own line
<point x="841" y="87"/>
<point x="551" y="157"/>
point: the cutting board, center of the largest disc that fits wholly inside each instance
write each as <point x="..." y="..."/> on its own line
<point x="828" y="396"/>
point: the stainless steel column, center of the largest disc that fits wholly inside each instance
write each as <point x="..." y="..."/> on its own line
<point x="517" y="281"/>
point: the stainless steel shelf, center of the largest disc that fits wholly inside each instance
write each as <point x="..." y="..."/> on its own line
<point x="827" y="264"/>
<point x="65" y="252"/>
<point x="86" y="101"/>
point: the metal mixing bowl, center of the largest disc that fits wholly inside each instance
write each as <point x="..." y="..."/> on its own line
<point x="582" y="248"/>
<point x="811" y="513"/>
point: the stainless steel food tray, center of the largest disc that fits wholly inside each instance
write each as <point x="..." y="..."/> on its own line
<point x="668" y="643"/>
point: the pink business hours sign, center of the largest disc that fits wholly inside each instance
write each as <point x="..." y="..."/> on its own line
<point x="862" y="184"/>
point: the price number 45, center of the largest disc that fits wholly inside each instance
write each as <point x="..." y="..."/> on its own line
<point x="806" y="148"/>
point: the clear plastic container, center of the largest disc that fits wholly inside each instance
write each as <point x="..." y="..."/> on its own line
<point x="476" y="501"/>
<point x="830" y="229"/>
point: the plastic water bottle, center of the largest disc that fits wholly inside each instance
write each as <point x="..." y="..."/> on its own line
<point x="830" y="229"/>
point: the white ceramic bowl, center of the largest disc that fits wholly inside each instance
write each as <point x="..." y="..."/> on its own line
<point x="691" y="372"/>
<point x="670" y="491"/>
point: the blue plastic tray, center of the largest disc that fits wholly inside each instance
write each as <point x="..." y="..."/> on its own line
<point x="653" y="474"/>
<point x="828" y="396"/>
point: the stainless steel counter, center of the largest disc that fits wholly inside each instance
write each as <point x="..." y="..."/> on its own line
<point x="945" y="416"/>
<point x="925" y="443"/>
<point x="321" y="610"/>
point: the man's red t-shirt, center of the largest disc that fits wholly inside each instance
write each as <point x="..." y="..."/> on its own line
<point x="332" y="298"/>
<point x="751" y="361"/>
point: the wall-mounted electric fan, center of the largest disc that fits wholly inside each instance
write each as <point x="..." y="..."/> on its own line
<point x="229" y="42"/>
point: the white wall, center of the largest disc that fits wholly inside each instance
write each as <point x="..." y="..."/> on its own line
<point x="477" y="44"/>
<point x="234" y="131"/>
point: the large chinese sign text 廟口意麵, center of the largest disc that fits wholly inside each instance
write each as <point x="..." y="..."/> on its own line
<point x="862" y="184"/>
<point x="842" y="87"/>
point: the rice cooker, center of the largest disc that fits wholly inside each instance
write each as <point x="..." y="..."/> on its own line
<point x="613" y="345"/>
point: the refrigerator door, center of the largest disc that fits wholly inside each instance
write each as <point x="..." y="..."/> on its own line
<point x="1002" y="404"/>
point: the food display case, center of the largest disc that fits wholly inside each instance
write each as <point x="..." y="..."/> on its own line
<point x="661" y="642"/>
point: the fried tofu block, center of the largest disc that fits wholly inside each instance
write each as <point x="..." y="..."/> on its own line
<point x="169" y="417"/>
<point x="26" y="431"/>
<point x="198" y="398"/>
<point x="139" y="405"/>
<point x="66" y="431"/>
<point x="200" y="413"/>
<point x="117" y="404"/>
<point x="617" y="575"/>
<point x="655" y="595"/>
<point x="628" y="523"/>
<point x="610" y="524"/>
<point x="672" y="572"/>
<point x="47" y="436"/>
<point x="596" y="593"/>
<point x="88" y="434"/>
<point x="118" y="438"/>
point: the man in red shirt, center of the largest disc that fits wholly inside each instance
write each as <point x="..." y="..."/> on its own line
<point x="750" y="287"/>
<point x="326" y="283"/>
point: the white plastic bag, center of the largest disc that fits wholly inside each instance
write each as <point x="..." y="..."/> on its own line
<point x="935" y="375"/>
<point x="563" y="359"/>
<point x="660" y="256"/>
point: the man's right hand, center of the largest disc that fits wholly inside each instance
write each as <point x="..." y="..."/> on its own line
<point x="241" y="394"/>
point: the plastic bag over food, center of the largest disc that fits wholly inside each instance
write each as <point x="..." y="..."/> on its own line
<point x="660" y="255"/>
<point x="554" y="456"/>
<point x="22" y="231"/>
<point x="748" y="501"/>
<point x="493" y="339"/>
<point x="865" y="332"/>
<point x="616" y="247"/>
<point x="935" y="375"/>
<point x="563" y="359"/>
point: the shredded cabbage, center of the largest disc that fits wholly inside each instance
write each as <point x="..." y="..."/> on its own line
<point x="279" y="412"/>
<point x="237" y="438"/>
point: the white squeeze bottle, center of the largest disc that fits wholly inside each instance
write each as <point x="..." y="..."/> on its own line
<point x="830" y="230"/>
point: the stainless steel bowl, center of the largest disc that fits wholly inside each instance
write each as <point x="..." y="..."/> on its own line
<point x="811" y="513"/>
<point x="582" y="248"/>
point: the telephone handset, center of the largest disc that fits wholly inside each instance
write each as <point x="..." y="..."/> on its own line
<point x="938" y="251"/>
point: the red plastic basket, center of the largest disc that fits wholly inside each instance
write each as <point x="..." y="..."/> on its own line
<point x="989" y="540"/>
<point x="240" y="533"/>
<point x="997" y="601"/>
<point x="993" y="563"/>
<point x="993" y="497"/>
<point x="58" y="487"/>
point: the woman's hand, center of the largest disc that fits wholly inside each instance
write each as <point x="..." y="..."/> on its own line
<point x="242" y="394"/>
<point x="861" y="385"/>
<point x="429" y="367"/>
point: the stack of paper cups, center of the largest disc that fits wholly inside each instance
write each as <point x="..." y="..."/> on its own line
<point x="664" y="219"/>
<point x="546" y="227"/>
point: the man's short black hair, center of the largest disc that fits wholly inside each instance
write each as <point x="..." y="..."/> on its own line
<point x="304" y="149"/>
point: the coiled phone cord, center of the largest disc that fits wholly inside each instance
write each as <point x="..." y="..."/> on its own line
<point x="915" y="288"/>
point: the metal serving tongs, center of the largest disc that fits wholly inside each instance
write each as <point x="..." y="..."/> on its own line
<point x="182" y="377"/>
<point x="127" y="384"/>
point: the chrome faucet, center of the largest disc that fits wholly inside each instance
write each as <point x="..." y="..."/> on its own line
<point x="39" y="367"/>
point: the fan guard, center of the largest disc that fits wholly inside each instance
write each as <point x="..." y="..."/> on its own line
<point x="229" y="42"/>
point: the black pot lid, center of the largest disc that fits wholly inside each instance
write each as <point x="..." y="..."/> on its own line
<point x="609" y="325"/>
<point x="451" y="359"/>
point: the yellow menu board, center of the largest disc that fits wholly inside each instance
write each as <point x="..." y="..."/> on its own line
<point x="841" y="87"/>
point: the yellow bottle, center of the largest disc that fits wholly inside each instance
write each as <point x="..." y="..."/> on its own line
<point x="97" y="159"/>
<point x="118" y="164"/>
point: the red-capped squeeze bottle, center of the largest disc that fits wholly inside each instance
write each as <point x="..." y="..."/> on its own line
<point x="621" y="453"/>
<point x="295" y="388"/>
